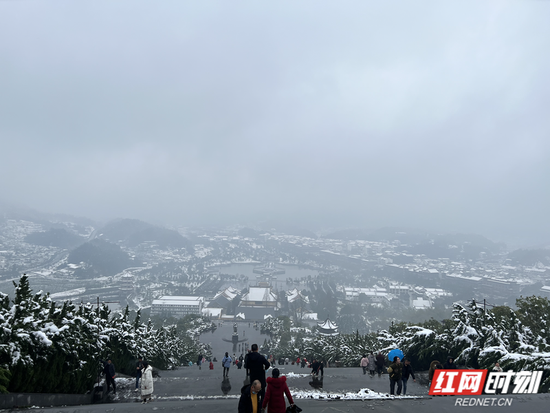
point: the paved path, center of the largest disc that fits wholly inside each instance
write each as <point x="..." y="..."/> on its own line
<point x="532" y="404"/>
<point x="189" y="388"/>
<point x="225" y="331"/>
<point x="192" y="381"/>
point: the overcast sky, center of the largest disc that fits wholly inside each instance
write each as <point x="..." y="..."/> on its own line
<point x="430" y="114"/>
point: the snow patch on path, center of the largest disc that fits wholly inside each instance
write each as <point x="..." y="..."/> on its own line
<point x="291" y="375"/>
<point x="363" y="394"/>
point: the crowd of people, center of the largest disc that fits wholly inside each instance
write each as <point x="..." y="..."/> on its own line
<point x="262" y="393"/>
<point x="399" y="372"/>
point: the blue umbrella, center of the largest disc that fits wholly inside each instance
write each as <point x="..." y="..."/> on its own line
<point x="395" y="352"/>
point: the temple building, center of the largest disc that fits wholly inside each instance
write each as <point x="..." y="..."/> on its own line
<point x="224" y="297"/>
<point x="328" y="328"/>
<point x="257" y="303"/>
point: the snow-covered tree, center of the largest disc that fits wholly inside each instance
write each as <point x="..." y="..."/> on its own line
<point x="57" y="348"/>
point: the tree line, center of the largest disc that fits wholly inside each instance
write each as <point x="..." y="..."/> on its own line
<point x="475" y="337"/>
<point x="56" y="348"/>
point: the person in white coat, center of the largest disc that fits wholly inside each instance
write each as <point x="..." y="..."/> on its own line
<point x="146" y="382"/>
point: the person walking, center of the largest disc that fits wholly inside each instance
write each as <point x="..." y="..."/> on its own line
<point x="395" y="371"/>
<point x="257" y="365"/>
<point x="246" y="363"/>
<point x="109" y="370"/>
<point x="199" y="361"/>
<point x="274" y="398"/>
<point x="364" y="363"/>
<point x="434" y="365"/>
<point x="226" y="363"/>
<point x="147" y="383"/>
<point x="139" y="368"/>
<point x="251" y="398"/>
<point x="406" y="373"/>
<point x="380" y="363"/>
<point x="372" y="364"/>
<point x="316" y="368"/>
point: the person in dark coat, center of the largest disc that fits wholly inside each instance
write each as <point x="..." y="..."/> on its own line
<point x="450" y="364"/>
<point x="139" y="368"/>
<point x="246" y="364"/>
<point x="406" y="373"/>
<point x="199" y="361"/>
<point x="274" y="398"/>
<point x="316" y="368"/>
<point x="380" y="363"/>
<point x="109" y="370"/>
<point x="396" y="373"/>
<point x="251" y="398"/>
<point x="257" y="365"/>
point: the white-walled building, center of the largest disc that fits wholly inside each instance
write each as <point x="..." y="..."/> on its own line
<point x="177" y="305"/>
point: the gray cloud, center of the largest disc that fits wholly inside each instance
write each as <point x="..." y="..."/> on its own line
<point x="360" y="113"/>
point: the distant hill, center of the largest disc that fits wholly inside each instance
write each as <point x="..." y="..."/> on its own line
<point x="163" y="237"/>
<point x="455" y="247"/>
<point x="349" y="234"/>
<point x="122" y="229"/>
<point x="419" y="242"/>
<point x="387" y="234"/>
<point x="288" y="229"/>
<point x="530" y="257"/>
<point x="404" y="235"/>
<point x="22" y="212"/>
<point x="249" y="233"/>
<point x="132" y="232"/>
<point x="55" y="237"/>
<point x="471" y="239"/>
<point x="101" y="258"/>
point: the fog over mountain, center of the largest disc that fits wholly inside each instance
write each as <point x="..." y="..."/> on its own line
<point x="316" y="115"/>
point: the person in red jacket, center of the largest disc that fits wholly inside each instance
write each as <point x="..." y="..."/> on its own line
<point x="274" y="398"/>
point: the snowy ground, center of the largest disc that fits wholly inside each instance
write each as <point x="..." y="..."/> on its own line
<point x="190" y="383"/>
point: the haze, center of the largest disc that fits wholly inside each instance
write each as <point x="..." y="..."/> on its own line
<point x="325" y="114"/>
